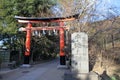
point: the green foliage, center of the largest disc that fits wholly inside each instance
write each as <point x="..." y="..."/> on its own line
<point x="26" y="8"/>
<point x="113" y="78"/>
<point x="10" y="8"/>
<point x="44" y="47"/>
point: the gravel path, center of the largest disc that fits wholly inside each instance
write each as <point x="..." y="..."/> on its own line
<point x="43" y="71"/>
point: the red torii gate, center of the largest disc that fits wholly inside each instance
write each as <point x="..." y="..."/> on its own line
<point x="30" y="28"/>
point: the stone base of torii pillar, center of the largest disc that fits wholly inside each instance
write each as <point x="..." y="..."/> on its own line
<point x="25" y="66"/>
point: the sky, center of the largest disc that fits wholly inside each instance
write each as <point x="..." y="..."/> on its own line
<point x="111" y="5"/>
<point x="104" y="7"/>
<point x="107" y="9"/>
<point x="115" y="3"/>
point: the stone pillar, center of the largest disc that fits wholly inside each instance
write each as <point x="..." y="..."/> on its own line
<point x="79" y="55"/>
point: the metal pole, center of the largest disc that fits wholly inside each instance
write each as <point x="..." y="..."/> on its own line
<point x="62" y="44"/>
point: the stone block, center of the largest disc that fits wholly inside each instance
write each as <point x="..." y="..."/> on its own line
<point x="79" y="58"/>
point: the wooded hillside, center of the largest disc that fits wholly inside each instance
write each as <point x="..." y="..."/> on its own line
<point x="104" y="45"/>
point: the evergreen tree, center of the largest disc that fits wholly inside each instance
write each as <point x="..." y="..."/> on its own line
<point x="28" y="8"/>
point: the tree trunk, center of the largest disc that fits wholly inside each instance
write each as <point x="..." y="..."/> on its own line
<point x="112" y="37"/>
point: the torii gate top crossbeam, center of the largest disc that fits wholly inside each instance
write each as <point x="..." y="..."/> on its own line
<point x="54" y="19"/>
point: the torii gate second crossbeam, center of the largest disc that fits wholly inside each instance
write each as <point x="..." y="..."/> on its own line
<point x="29" y="29"/>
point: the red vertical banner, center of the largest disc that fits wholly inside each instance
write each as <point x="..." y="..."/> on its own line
<point x="62" y="44"/>
<point x="28" y="40"/>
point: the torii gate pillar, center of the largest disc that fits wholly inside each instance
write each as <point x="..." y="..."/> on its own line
<point x="62" y="44"/>
<point x="27" y="44"/>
